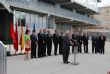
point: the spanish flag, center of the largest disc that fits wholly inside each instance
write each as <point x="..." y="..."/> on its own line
<point x="22" y="41"/>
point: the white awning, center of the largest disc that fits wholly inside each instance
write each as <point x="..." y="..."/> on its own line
<point x="6" y="6"/>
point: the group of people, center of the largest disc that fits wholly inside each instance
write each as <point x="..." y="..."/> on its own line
<point x="98" y="43"/>
<point x="44" y="40"/>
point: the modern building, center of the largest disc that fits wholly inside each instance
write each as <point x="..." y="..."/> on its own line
<point x="104" y="17"/>
<point x="51" y="14"/>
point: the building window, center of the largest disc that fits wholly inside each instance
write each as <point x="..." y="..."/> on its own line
<point x="21" y="18"/>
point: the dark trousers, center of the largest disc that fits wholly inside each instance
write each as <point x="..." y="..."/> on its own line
<point x="72" y="49"/>
<point x="80" y="48"/>
<point x="93" y="48"/>
<point x="49" y="49"/>
<point x="97" y="49"/>
<point x="33" y="51"/>
<point x="55" y="49"/>
<point x="44" y="50"/>
<point x="60" y="48"/>
<point x="40" y="50"/>
<point x="86" y="48"/>
<point x="102" y="50"/>
<point x="65" y="56"/>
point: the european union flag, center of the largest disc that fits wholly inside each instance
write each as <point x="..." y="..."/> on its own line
<point x="34" y="26"/>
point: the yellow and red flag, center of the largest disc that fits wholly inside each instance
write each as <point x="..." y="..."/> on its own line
<point x="22" y="41"/>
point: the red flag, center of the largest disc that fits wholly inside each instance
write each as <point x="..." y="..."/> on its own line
<point x="12" y="35"/>
<point x="16" y="35"/>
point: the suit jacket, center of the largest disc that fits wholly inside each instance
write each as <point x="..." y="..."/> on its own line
<point x="55" y="38"/>
<point x="49" y="39"/>
<point x="40" y="38"/>
<point x="66" y="44"/>
<point x="74" y="37"/>
<point x="44" y="37"/>
<point x="85" y="39"/>
<point x="94" y="39"/>
<point x="102" y="40"/>
<point x="80" y="39"/>
<point x="33" y="39"/>
<point x="60" y="40"/>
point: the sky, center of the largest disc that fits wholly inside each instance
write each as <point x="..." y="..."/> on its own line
<point x="104" y="3"/>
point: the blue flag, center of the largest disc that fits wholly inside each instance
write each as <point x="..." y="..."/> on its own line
<point x="34" y="26"/>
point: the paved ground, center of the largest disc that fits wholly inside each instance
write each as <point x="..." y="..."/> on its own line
<point x="89" y="64"/>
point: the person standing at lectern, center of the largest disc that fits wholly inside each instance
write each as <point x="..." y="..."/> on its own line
<point x="67" y="42"/>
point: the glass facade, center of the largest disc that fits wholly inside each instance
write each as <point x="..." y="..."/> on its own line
<point x="31" y="19"/>
<point x="62" y="27"/>
<point x="21" y="16"/>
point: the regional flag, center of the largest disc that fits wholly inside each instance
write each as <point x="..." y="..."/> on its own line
<point x="16" y="36"/>
<point x="22" y="41"/>
<point x="12" y="35"/>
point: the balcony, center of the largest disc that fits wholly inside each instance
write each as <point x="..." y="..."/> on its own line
<point x="43" y="8"/>
<point x="89" y="4"/>
<point x="60" y="1"/>
<point x="81" y="7"/>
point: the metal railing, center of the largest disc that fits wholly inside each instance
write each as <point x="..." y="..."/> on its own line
<point x="52" y="10"/>
<point x="2" y="59"/>
<point x="91" y="4"/>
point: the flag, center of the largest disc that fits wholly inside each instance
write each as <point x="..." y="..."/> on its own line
<point x="27" y="26"/>
<point x="16" y="35"/>
<point x="12" y="35"/>
<point x="34" y="27"/>
<point x="21" y="37"/>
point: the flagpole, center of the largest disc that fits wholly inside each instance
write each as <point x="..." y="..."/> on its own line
<point x="10" y="49"/>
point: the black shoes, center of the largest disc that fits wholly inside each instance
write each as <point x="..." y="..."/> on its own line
<point x="55" y="54"/>
<point x="66" y="62"/>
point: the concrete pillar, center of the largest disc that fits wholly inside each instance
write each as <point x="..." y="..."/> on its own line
<point x="51" y="23"/>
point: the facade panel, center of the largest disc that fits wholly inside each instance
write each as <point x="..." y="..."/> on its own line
<point x="44" y="8"/>
<point x="36" y="12"/>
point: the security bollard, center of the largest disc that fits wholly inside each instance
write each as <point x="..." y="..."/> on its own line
<point x="3" y="59"/>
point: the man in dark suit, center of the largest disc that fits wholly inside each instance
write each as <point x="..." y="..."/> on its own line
<point x="44" y="42"/>
<point x="67" y="42"/>
<point x="74" y="38"/>
<point x="80" y="39"/>
<point x="40" y="44"/>
<point x="60" y="43"/>
<point x="55" y="41"/>
<point x="97" y="44"/>
<point x="33" y="44"/>
<point x="85" y="42"/>
<point x="49" y="43"/>
<point x="94" y="39"/>
<point x="102" y="44"/>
